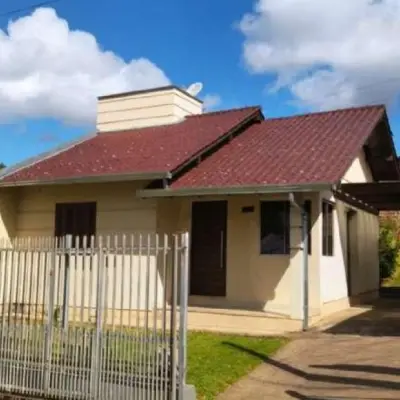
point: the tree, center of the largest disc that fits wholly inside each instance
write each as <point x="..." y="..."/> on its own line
<point x="389" y="246"/>
<point x="2" y="165"/>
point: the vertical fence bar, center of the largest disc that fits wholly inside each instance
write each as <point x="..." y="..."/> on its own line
<point x="5" y="328"/>
<point x="96" y="361"/>
<point x="26" y="327"/>
<point x="147" y="338"/>
<point x="164" y="354"/>
<point x="121" y="347"/>
<point x="74" y="347"/>
<point x="49" y="328"/>
<point x="133" y="335"/>
<point x="155" y="387"/>
<point x="183" y="310"/>
<point x="8" y="340"/>
<point x="142" y="361"/>
<point x="67" y="273"/>
<point x="31" y="343"/>
<point x="174" y="298"/>
<point x="59" y="334"/>
<point x="139" y="373"/>
<point x="91" y="268"/>
<point x="107" y="292"/>
<point x="11" y="320"/>
<point x="114" y="278"/>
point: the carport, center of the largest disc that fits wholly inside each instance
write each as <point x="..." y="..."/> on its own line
<point x="376" y="196"/>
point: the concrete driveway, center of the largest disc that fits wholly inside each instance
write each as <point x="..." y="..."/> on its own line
<point x="355" y="355"/>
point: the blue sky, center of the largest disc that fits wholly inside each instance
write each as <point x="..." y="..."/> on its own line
<point x="208" y="41"/>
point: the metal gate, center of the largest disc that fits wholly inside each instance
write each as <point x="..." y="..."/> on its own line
<point x="94" y="318"/>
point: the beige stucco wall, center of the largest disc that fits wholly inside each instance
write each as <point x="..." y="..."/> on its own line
<point x="118" y="208"/>
<point x="365" y="268"/>
<point x="254" y="281"/>
<point x="359" y="172"/>
<point x="30" y="212"/>
<point x="8" y="212"/>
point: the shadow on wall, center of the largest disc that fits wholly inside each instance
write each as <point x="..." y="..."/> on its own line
<point x="348" y="244"/>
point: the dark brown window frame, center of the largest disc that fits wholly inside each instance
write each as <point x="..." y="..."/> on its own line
<point x="328" y="228"/>
<point x="265" y="229"/>
<point x="77" y="219"/>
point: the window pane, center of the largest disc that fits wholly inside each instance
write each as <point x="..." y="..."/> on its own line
<point x="76" y="219"/>
<point x="327" y="229"/>
<point x="330" y="231"/>
<point x="275" y="229"/>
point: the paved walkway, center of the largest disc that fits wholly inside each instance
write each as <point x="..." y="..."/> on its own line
<point x="355" y="359"/>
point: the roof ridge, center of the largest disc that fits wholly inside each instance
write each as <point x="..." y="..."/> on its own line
<point x="217" y="112"/>
<point x="211" y="113"/>
<point x="334" y="111"/>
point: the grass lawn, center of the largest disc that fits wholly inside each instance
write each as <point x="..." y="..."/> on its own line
<point x="216" y="361"/>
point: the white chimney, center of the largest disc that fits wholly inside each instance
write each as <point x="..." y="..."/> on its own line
<point x="159" y="106"/>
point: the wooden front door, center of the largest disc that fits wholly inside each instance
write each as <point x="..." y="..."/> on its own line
<point x="208" y="248"/>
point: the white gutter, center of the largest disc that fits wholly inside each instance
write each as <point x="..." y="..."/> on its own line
<point x="304" y="264"/>
<point x="90" y="179"/>
<point x="238" y="190"/>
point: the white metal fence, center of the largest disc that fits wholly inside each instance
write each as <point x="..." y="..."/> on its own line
<point x="94" y="318"/>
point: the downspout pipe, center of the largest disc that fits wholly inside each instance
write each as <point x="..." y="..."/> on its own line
<point x="304" y="264"/>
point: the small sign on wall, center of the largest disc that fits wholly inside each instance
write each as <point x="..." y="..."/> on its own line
<point x="247" y="209"/>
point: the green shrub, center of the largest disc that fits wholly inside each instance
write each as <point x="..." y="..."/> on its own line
<point x="389" y="247"/>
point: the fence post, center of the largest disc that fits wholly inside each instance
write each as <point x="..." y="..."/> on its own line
<point x="183" y="310"/>
<point x="173" y="333"/>
<point x="49" y="328"/>
<point x="67" y="250"/>
<point x="96" y="340"/>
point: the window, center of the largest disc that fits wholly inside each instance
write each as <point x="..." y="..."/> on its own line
<point x="327" y="228"/>
<point x="275" y="227"/>
<point x="76" y="219"/>
<point x="308" y="209"/>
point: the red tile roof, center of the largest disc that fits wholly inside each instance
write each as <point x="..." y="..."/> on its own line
<point x="314" y="148"/>
<point x="146" y="150"/>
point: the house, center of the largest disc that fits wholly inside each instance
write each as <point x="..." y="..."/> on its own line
<point x="277" y="242"/>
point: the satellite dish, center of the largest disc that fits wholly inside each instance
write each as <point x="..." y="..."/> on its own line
<point x="195" y="88"/>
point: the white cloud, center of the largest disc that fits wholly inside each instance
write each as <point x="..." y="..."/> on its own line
<point x="211" y="101"/>
<point x="329" y="53"/>
<point x="49" y="70"/>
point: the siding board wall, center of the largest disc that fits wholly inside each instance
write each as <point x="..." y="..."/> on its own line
<point x="118" y="208"/>
<point x="8" y="212"/>
<point x="119" y="212"/>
